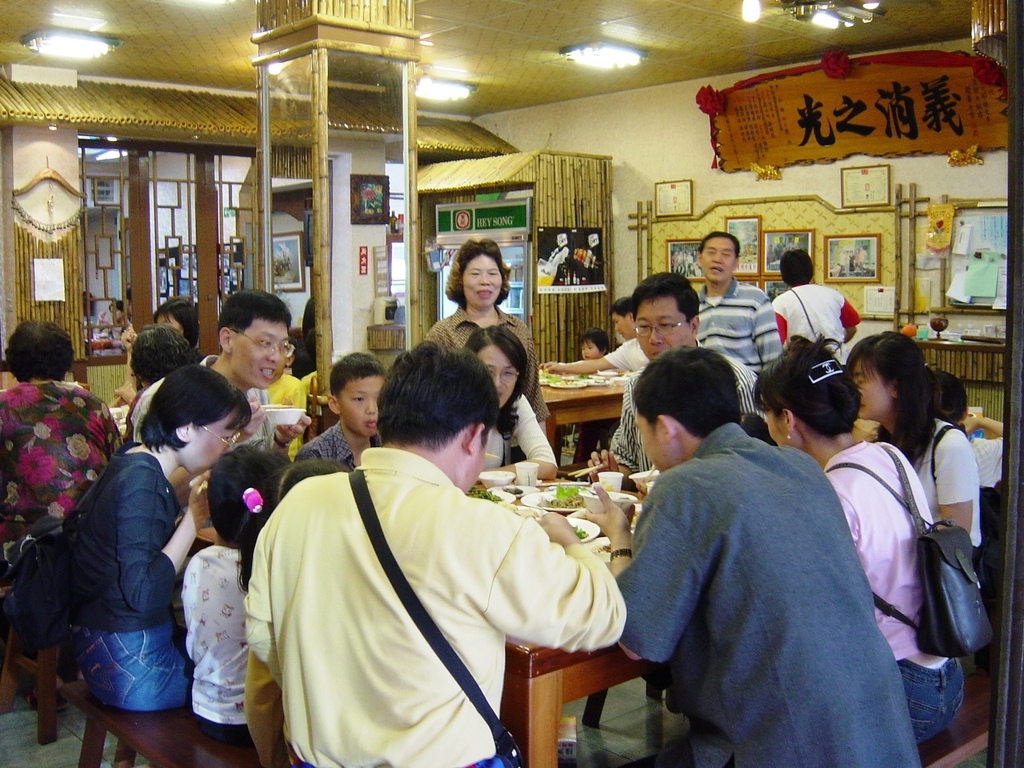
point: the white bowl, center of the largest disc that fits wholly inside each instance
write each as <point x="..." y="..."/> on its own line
<point x="491" y="478"/>
<point x="594" y="504"/>
<point x="283" y="415"/>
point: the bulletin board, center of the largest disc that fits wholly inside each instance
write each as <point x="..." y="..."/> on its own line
<point x="978" y="256"/>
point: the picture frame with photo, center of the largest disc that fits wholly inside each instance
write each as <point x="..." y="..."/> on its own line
<point x="778" y="241"/>
<point x="682" y="258"/>
<point x="851" y="258"/>
<point x="774" y="288"/>
<point x="746" y="229"/>
<point x="370" y="199"/>
<point x="673" y="198"/>
<point x="288" y="267"/>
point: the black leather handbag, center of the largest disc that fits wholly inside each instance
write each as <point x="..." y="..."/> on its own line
<point x="504" y="745"/>
<point x="953" y="620"/>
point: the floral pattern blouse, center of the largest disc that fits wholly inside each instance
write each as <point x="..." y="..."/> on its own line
<point x="55" y="439"/>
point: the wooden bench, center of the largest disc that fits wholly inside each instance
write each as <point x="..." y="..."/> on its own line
<point x="167" y="739"/>
<point x="42" y="666"/>
<point x="967" y="735"/>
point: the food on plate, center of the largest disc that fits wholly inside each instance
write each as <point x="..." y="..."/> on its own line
<point x="515" y="490"/>
<point x="580" y="533"/>
<point x="566" y="497"/>
<point x="482" y="493"/>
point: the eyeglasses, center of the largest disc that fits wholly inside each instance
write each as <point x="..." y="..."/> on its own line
<point x="507" y="376"/>
<point x="663" y="329"/>
<point x="266" y="345"/>
<point x="228" y="441"/>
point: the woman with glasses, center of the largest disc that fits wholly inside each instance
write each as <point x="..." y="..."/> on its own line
<point x="131" y="545"/>
<point x="517" y="427"/>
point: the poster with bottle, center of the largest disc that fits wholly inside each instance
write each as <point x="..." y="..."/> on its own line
<point x="570" y="260"/>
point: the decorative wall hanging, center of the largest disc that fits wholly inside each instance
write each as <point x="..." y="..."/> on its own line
<point x="887" y="105"/>
<point x="52" y="177"/>
<point x="369" y="199"/>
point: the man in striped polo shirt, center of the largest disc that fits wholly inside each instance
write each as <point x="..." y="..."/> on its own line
<point x="736" y="318"/>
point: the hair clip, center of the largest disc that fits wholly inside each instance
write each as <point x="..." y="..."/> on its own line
<point x="823" y="370"/>
<point x="252" y="500"/>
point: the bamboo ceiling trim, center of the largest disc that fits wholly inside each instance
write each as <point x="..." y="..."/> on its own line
<point x="480" y="172"/>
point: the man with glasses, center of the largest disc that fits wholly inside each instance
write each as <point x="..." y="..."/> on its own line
<point x="666" y="309"/>
<point x="253" y="336"/>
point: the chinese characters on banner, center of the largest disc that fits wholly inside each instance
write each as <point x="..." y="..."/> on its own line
<point x="889" y="105"/>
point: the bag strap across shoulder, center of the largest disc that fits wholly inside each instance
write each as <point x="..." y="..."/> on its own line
<point x="909" y="503"/>
<point x="803" y="307"/>
<point x="935" y="444"/>
<point x="424" y="622"/>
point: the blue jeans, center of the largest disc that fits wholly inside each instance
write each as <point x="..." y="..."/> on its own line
<point x="933" y="695"/>
<point x="491" y="762"/>
<point x="140" y="671"/>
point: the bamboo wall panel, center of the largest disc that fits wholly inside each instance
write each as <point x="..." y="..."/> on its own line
<point x="104" y="379"/>
<point x="291" y="162"/>
<point x="67" y="314"/>
<point x="397" y="14"/>
<point x="979" y="367"/>
<point x="790" y="213"/>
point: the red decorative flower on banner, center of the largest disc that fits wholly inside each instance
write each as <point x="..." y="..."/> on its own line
<point x="988" y="72"/>
<point x="710" y="101"/>
<point x="835" y="64"/>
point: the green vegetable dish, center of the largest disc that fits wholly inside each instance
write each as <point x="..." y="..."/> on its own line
<point x="482" y="493"/>
<point x="567" y="497"/>
<point x="580" y="533"/>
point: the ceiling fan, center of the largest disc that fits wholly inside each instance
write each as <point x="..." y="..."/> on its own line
<point x="830" y="14"/>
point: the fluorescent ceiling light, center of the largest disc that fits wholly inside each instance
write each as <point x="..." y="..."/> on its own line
<point x="110" y="154"/>
<point x="871" y="6"/>
<point x="603" y="55"/>
<point x="275" y="67"/>
<point x="825" y="19"/>
<point x="87" y="23"/>
<point x="442" y="90"/>
<point x="751" y="10"/>
<point x="69" y="44"/>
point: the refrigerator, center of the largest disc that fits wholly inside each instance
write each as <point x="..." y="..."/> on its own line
<point x="507" y="223"/>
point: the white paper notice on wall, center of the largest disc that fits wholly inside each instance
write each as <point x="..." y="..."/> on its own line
<point x="48" y="279"/>
<point x="880" y="300"/>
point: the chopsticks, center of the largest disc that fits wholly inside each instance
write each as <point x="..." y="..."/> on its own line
<point x="586" y="471"/>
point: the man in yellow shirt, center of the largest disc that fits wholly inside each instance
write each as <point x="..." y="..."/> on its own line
<point x="361" y="686"/>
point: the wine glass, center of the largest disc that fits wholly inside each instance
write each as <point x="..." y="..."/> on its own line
<point x="939" y="324"/>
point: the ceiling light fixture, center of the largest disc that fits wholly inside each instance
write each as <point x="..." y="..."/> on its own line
<point x="69" y="44"/>
<point x="751" y="10"/>
<point x="442" y="90"/>
<point x="604" y="55"/>
<point x="832" y="14"/>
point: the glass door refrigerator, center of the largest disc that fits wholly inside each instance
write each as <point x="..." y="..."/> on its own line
<point x="507" y="223"/>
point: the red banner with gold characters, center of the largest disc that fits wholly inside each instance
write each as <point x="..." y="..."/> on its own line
<point x="915" y="103"/>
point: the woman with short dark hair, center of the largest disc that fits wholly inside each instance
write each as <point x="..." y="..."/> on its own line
<point x="478" y="283"/>
<point x="129" y="549"/>
<point x="56" y="436"/>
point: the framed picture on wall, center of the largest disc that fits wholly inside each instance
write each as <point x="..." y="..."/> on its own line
<point x="851" y="258"/>
<point x="773" y="288"/>
<point x="747" y="230"/>
<point x="673" y="198"/>
<point x="777" y="242"/>
<point x="289" y="269"/>
<point x="682" y="258"/>
<point x="865" y="186"/>
<point x="369" y="199"/>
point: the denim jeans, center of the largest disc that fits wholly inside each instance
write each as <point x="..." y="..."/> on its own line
<point x="140" y="671"/>
<point x="490" y="762"/>
<point x="933" y="695"/>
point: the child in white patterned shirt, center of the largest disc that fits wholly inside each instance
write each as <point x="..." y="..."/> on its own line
<point x="241" y="484"/>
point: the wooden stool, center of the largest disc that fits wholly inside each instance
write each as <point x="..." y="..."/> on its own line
<point x="44" y="668"/>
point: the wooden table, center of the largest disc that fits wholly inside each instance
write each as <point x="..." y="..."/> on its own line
<point x="570" y="406"/>
<point x="539" y="680"/>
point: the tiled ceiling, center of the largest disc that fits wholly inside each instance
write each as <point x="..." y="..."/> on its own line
<point x="507" y="48"/>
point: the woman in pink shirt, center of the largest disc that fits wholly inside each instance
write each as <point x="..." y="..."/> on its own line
<point x="810" y="403"/>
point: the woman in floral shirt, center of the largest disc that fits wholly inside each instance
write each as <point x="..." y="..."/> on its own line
<point x="55" y="437"/>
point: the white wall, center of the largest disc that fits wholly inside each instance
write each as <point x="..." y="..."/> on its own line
<point x="658" y="134"/>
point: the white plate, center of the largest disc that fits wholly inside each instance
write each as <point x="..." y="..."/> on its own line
<point x="611" y="373"/>
<point x="503" y="495"/>
<point x="543" y="501"/>
<point x="587" y="527"/>
<point x="568" y="384"/>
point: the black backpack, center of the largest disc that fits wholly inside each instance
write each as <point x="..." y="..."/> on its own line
<point x="39" y="604"/>
<point x="40" y="564"/>
<point x="987" y="556"/>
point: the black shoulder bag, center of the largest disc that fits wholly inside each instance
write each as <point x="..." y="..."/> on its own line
<point x="953" y="618"/>
<point x="504" y="745"/>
